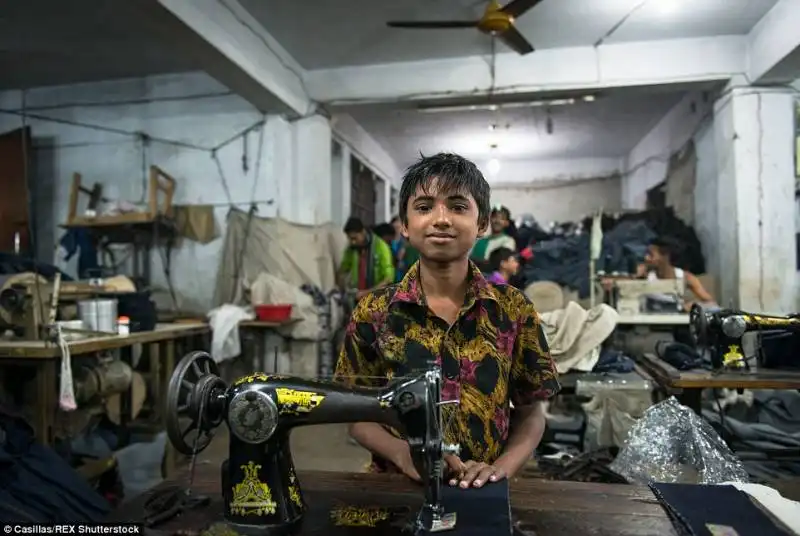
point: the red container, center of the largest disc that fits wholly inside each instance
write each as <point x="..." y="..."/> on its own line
<point x="277" y="313"/>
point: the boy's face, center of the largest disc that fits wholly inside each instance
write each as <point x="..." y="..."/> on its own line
<point x="442" y="226"/>
<point x="655" y="257"/>
<point x="357" y="239"/>
<point x="499" y="222"/>
<point x="510" y="266"/>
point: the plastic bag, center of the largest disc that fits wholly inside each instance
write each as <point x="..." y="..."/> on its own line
<point x="671" y="443"/>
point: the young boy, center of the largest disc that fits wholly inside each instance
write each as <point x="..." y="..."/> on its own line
<point x="504" y="265"/>
<point x="486" y="339"/>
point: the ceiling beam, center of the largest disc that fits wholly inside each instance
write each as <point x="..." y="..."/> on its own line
<point x="221" y="39"/>
<point x="774" y="45"/>
<point x="616" y="65"/>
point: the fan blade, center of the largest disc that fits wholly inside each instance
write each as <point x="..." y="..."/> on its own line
<point x="442" y="25"/>
<point x="517" y="8"/>
<point x="516" y="41"/>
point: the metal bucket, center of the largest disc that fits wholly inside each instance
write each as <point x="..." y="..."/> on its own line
<point x="99" y="315"/>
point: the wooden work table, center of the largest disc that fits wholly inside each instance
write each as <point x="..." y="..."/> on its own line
<point x="45" y="350"/>
<point x="689" y="384"/>
<point x="45" y="358"/>
<point x="542" y="507"/>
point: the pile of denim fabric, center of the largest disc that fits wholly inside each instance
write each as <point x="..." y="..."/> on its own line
<point x="565" y="259"/>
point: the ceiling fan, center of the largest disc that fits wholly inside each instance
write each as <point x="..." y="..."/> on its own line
<point x="497" y="21"/>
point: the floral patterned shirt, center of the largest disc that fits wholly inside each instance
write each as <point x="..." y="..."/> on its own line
<point x="495" y="353"/>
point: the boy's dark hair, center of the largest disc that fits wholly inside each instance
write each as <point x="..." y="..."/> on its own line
<point x="456" y="174"/>
<point x="501" y="210"/>
<point x="394" y="219"/>
<point x="384" y="230"/>
<point x="667" y="246"/>
<point x="498" y="257"/>
<point x="353" y="225"/>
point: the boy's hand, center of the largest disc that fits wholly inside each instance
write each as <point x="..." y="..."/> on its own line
<point x="476" y="474"/>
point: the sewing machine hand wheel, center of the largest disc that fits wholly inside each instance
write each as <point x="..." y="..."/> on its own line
<point x="698" y="325"/>
<point x="189" y="412"/>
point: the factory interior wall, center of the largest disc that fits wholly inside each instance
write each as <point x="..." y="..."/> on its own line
<point x="532" y="171"/>
<point x="745" y="222"/>
<point x="183" y="116"/>
<point x="565" y="200"/>
<point x="647" y="163"/>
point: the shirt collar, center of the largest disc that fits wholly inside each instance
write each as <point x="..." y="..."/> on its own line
<point x="409" y="290"/>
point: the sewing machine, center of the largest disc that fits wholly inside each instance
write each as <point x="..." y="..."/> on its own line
<point x="260" y="489"/>
<point x="30" y="304"/>
<point x="638" y="296"/>
<point x="721" y="332"/>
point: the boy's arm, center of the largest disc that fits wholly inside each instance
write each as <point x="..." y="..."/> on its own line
<point x="359" y="365"/>
<point x="534" y="379"/>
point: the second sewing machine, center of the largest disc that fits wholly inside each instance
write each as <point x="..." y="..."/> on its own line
<point x="260" y="489"/>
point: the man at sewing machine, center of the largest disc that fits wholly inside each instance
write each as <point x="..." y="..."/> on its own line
<point x="367" y="262"/>
<point x="658" y="265"/>
<point x="487" y="339"/>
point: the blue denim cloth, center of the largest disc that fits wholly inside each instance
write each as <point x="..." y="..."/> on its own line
<point x="613" y="361"/>
<point x="484" y="511"/>
<point x="40" y="486"/>
<point x="566" y="260"/>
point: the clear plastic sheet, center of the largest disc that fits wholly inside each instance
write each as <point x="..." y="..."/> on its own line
<point x="671" y="443"/>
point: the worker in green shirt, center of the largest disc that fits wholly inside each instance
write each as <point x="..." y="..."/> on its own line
<point x="367" y="262"/>
<point x="500" y="220"/>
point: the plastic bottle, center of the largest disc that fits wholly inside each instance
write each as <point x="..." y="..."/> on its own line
<point x="124" y="325"/>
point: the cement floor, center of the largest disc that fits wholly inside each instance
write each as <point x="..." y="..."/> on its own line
<point x="321" y="448"/>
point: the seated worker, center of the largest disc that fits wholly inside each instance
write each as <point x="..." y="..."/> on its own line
<point x="498" y="239"/>
<point x="367" y="262"/>
<point x="504" y="265"/>
<point x="487" y="339"/>
<point x="658" y="265"/>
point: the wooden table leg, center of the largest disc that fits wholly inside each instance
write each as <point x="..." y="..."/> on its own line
<point x="47" y="399"/>
<point x="170" y="456"/>
<point x="157" y="382"/>
<point x="692" y="399"/>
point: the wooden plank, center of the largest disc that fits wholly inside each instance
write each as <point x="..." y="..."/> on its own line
<point x="266" y="325"/>
<point x="543" y="506"/>
<point x="43" y="350"/>
<point x="110" y="220"/>
<point x="671" y="378"/>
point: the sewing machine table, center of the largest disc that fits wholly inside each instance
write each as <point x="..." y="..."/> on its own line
<point x="539" y="506"/>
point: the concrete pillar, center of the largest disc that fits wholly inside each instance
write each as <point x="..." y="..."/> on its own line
<point x="311" y="189"/>
<point x="754" y="146"/>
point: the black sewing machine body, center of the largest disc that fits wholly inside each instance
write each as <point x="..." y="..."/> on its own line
<point x="260" y="488"/>
<point x="721" y="332"/>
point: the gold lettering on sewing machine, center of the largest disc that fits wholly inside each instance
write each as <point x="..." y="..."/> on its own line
<point x="352" y="516"/>
<point x="774" y="321"/>
<point x="733" y="357"/>
<point x="251" y="496"/>
<point x="293" y="400"/>
<point x="294" y="493"/>
<point x="258" y="377"/>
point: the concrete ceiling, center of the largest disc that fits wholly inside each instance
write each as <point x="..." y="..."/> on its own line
<point x="609" y="127"/>
<point x="52" y="42"/>
<point x="332" y="33"/>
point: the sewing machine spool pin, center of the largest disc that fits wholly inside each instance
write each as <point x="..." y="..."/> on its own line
<point x="260" y="489"/>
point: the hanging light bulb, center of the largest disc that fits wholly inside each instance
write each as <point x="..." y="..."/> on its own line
<point x="493" y="166"/>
